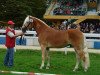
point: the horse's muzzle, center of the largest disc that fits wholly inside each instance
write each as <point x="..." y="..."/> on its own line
<point x="24" y="30"/>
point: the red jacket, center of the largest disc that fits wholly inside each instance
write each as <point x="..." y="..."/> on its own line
<point x="10" y="42"/>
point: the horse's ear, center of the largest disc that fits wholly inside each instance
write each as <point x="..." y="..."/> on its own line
<point x="28" y="15"/>
<point x="30" y="19"/>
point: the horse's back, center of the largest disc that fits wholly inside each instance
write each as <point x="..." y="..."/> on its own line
<point x="60" y="38"/>
<point x="54" y="38"/>
<point x="74" y="33"/>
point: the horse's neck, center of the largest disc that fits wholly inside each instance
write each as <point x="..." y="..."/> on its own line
<point x="40" y="26"/>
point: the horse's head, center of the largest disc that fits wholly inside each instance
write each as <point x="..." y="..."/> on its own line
<point x="33" y="22"/>
<point x="28" y="23"/>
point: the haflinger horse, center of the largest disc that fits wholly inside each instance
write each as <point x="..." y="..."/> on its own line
<point x="51" y="38"/>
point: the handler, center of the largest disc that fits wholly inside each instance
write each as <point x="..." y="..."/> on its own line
<point x="10" y="44"/>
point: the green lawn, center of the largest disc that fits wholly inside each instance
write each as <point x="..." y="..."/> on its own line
<point x="28" y="60"/>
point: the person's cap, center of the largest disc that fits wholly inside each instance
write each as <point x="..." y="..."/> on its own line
<point x="10" y="22"/>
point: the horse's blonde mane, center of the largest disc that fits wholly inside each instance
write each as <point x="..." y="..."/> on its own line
<point x="26" y="19"/>
<point x="41" y="21"/>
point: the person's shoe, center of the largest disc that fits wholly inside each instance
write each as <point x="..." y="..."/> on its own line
<point x="5" y="65"/>
<point x="10" y="66"/>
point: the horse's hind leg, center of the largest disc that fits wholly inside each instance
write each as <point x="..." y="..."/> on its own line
<point x="86" y="64"/>
<point x="77" y="62"/>
<point x="43" y="56"/>
<point x="84" y="59"/>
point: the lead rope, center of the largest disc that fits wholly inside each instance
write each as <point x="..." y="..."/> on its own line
<point x="20" y="40"/>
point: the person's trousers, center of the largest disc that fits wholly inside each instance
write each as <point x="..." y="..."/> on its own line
<point x="9" y="58"/>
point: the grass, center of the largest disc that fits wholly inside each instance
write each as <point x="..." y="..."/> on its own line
<point x="30" y="61"/>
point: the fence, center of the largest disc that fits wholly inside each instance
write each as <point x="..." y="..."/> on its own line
<point x="30" y="38"/>
<point x="93" y="40"/>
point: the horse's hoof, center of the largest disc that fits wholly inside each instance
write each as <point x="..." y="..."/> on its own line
<point x="85" y="70"/>
<point x="40" y="67"/>
<point x="47" y="67"/>
<point x="74" y="70"/>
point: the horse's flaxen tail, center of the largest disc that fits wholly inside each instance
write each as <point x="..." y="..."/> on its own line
<point x="86" y="53"/>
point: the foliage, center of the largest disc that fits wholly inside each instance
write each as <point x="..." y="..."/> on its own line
<point x="30" y="61"/>
<point x="17" y="10"/>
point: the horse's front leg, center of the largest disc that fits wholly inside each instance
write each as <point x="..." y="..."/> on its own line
<point x="43" y="56"/>
<point x="48" y="58"/>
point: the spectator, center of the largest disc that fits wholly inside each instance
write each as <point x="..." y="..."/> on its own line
<point x="69" y="7"/>
<point x="98" y="28"/>
<point x="63" y="26"/>
<point x="73" y="26"/>
<point x="99" y="12"/>
<point x="58" y="11"/>
<point x="87" y="30"/>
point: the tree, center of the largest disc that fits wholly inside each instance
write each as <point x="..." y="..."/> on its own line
<point x="17" y="10"/>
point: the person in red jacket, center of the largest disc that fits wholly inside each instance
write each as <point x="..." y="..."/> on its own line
<point x="10" y="44"/>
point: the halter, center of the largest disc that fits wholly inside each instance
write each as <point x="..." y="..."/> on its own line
<point x="30" y="21"/>
<point x="25" y="27"/>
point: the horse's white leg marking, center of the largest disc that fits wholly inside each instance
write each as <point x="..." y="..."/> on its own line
<point x="48" y="59"/>
<point x="43" y="56"/>
<point x="77" y="62"/>
<point x="87" y="62"/>
<point x="65" y="49"/>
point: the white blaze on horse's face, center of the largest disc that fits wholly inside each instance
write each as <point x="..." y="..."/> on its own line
<point x="27" y="21"/>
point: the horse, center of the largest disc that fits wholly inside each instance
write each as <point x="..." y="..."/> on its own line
<point x="51" y="38"/>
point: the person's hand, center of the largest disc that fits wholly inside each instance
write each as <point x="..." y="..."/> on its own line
<point x="19" y="34"/>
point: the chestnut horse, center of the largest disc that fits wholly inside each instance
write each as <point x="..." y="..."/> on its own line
<point x="51" y="38"/>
